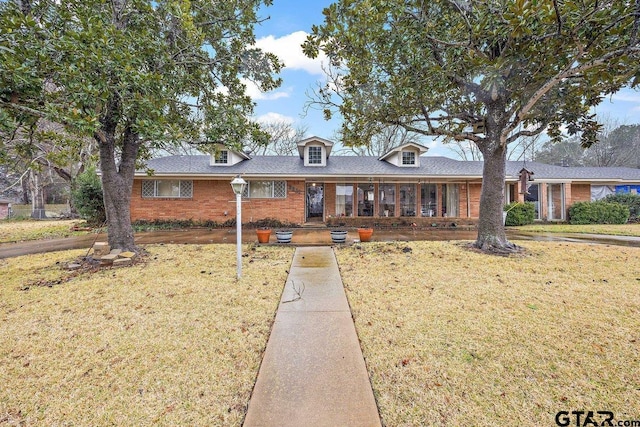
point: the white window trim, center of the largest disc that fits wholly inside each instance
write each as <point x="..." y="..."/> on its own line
<point x="218" y="161"/>
<point x="415" y="158"/>
<point x="323" y="156"/>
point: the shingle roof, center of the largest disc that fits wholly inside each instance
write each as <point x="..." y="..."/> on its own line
<point x="368" y="166"/>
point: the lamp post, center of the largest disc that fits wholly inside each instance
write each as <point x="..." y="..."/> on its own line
<point x="238" y="185"/>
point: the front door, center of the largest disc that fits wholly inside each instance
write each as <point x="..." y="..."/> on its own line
<point x="315" y="202"/>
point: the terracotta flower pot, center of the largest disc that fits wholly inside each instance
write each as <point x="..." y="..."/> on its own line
<point x="365" y="234"/>
<point x="263" y="235"/>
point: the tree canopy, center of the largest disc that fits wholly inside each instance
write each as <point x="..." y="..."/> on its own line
<point x="616" y="146"/>
<point x="487" y="71"/>
<point x="133" y="74"/>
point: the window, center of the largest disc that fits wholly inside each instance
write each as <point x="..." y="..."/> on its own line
<point x="265" y="190"/>
<point x="450" y="200"/>
<point x="408" y="158"/>
<point x="222" y="157"/>
<point x="387" y="200"/>
<point x="510" y="193"/>
<point x="408" y="200"/>
<point x="365" y="199"/>
<point x="533" y="191"/>
<point x="315" y="155"/>
<point x="344" y="199"/>
<point x="169" y="188"/>
<point x="428" y="199"/>
<point x="555" y="202"/>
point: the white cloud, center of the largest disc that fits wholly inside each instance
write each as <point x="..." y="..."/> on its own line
<point x="288" y="48"/>
<point x="626" y="96"/>
<point x="272" y="117"/>
<point x="256" y="94"/>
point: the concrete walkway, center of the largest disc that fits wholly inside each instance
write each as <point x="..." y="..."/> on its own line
<point x="313" y="372"/>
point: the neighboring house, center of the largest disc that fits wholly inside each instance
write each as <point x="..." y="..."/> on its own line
<point x="5" y="208"/>
<point x="317" y="187"/>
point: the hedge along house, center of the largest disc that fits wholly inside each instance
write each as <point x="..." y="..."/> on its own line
<point x="318" y="187"/>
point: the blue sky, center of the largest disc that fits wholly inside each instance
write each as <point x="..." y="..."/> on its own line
<point x="288" y="24"/>
<point x="286" y="29"/>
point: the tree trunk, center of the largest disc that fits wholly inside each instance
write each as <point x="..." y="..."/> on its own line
<point x="37" y="196"/>
<point x="117" y="182"/>
<point x="24" y="184"/>
<point x="491" y="233"/>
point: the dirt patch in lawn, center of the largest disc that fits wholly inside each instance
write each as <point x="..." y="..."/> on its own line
<point x="454" y="337"/>
<point x="176" y="340"/>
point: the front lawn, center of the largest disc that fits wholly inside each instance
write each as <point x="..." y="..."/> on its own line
<point x="23" y="230"/>
<point x="610" y="229"/>
<point x="452" y="337"/>
<point x="173" y="341"/>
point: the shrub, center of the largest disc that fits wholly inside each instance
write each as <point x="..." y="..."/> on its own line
<point x="172" y="224"/>
<point x="520" y="213"/>
<point x="632" y="201"/>
<point x="599" y="212"/>
<point x="87" y="197"/>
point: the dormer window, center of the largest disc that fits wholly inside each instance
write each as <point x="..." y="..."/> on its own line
<point x="408" y="158"/>
<point x="314" y="151"/>
<point x="315" y="155"/>
<point x="222" y="157"/>
<point x="407" y="155"/>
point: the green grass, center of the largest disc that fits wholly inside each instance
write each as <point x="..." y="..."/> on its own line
<point x="610" y="229"/>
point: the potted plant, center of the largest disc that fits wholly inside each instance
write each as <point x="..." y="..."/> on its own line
<point x="263" y="234"/>
<point x="284" y="236"/>
<point x="338" y="236"/>
<point x="365" y="233"/>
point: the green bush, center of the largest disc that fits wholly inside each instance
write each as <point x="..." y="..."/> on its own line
<point x="520" y="213"/>
<point x="172" y="224"/>
<point x="632" y="201"/>
<point x="599" y="212"/>
<point x="87" y="197"/>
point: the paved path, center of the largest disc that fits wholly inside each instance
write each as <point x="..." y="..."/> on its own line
<point x="313" y="372"/>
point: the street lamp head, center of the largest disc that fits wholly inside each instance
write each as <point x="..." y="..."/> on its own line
<point x="238" y="185"/>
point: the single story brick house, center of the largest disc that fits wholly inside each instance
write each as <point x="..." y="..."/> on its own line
<point x="318" y="187"/>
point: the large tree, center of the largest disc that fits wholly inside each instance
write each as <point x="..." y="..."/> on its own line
<point x="511" y="68"/>
<point x="619" y="147"/>
<point x="38" y="148"/>
<point x="133" y="74"/>
<point x="283" y="139"/>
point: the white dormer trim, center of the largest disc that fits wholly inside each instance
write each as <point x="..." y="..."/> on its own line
<point x="405" y="156"/>
<point x="314" y="151"/>
<point x="232" y="157"/>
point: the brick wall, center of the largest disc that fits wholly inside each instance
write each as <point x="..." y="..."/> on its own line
<point x="579" y="193"/>
<point x="214" y="200"/>
<point x="290" y="209"/>
<point x="474" y="199"/>
<point x="330" y="200"/>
